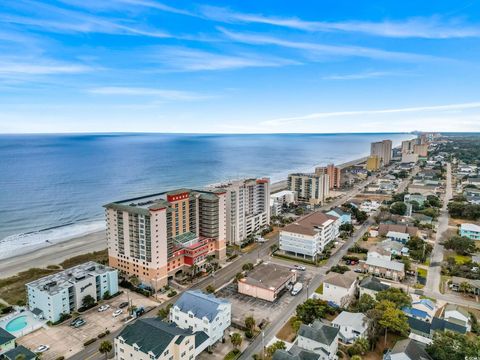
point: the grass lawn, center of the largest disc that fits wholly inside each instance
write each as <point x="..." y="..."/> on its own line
<point x="232" y="354"/>
<point x="12" y="289"/>
<point x="427" y="262"/>
<point x="462" y="259"/>
<point x="422" y="272"/>
<point x="320" y="289"/>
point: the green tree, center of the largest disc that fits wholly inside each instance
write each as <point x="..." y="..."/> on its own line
<point x="397" y="296"/>
<point x="163" y="313"/>
<point x="359" y="347"/>
<point x="20" y="357"/>
<point x="88" y="301"/>
<point x="210" y="289"/>
<point x="347" y="228"/>
<point x="465" y="287"/>
<point x="295" y="323"/>
<point x="365" y="303"/>
<point x="105" y="347"/>
<point x="239" y="276"/>
<point x="236" y="340"/>
<point x="399" y="208"/>
<point x="356" y="357"/>
<point x="313" y="309"/>
<point x="392" y="319"/>
<point x="418" y="248"/>
<point x="247" y="266"/>
<point x="277" y="345"/>
<point x="134" y="280"/>
<point x="250" y="323"/>
<point x="453" y="346"/>
<point x="461" y="245"/>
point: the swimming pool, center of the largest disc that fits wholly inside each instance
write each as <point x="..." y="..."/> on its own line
<point x="17" y="324"/>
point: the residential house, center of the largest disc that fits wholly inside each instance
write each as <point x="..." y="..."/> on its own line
<point x="369" y="206"/>
<point x="351" y="326"/>
<point x="424" y="331"/>
<point x="384" y="268"/>
<point x="320" y="338"/>
<point x="7" y="341"/>
<point x="472" y="181"/>
<point x="423" y="309"/>
<point x="295" y="353"/>
<point x="371" y="285"/>
<point x="393" y="247"/>
<point x="407" y="349"/>
<point x="456" y="314"/>
<point x="455" y="284"/>
<point x="398" y="236"/>
<point x="383" y="229"/>
<point x="471" y="231"/>
<point x="423" y="219"/>
<point x="339" y="289"/>
<point x="198" y="311"/>
<point x="420" y="199"/>
<point x="19" y="352"/>
<point x="380" y="253"/>
<point x="152" y="338"/>
<point x="345" y="217"/>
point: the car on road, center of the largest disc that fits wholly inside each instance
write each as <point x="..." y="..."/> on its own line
<point x="42" y="348"/>
<point x="117" y="313"/>
<point x="103" y="308"/>
<point x="74" y="321"/>
<point x="123" y="305"/>
<point x="300" y="267"/>
<point x="79" y="323"/>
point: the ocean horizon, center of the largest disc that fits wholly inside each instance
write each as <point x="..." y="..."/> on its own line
<point x="53" y="186"/>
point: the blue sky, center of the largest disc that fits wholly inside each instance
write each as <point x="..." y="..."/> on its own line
<point x="239" y="66"/>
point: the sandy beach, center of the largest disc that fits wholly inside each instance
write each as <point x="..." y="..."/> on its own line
<point x="54" y="254"/>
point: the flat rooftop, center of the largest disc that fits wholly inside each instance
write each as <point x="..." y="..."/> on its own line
<point x="66" y="278"/>
<point x="268" y="276"/>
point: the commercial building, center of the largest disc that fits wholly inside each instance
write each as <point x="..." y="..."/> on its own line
<point x="198" y="311"/>
<point x="156" y="236"/>
<point x="351" y="326"/>
<point x="266" y="281"/>
<point x="383" y="149"/>
<point x="319" y="338"/>
<point x="339" y="289"/>
<point x="247" y="207"/>
<point x="373" y="163"/>
<point x="414" y="149"/>
<point x="312" y="188"/>
<point x="334" y="175"/>
<point x="280" y="199"/>
<point x="154" y="339"/>
<point x="471" y="231"/>
<point x="308" y="236"/>
<point x="63" y="292"/>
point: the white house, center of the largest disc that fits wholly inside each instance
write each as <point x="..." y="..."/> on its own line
<point x="339" y="288"/>
<point x="398" y="236"/>
<point x="471" y="231"/>
<point x="370" y="206"/>
<point x="198" y="311"/>
<point x="351" y="326"/>
<point x="380" y="253"/>
<point x="319" y="338"/>
<point x="457" y="314"/>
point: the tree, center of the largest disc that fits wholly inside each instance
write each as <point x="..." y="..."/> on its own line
<point x="247" y="266"/>
<point x="407" y="262"/>
<point x="359" y="347"/>
<point x="418" y="248"/>
<point x="397" y="296"/>
<point x="135" y="281"/>
<point x="356" y="357"/>
<point x="465" y="287"/>
<point x="299" y="211"/>
<point x="163" y="313"/>
<point x="434" y="201"/>
<point x="392" y="318"/>
<point x="277" y="345"/>
<point x="399" y="208"/>
<point x="88" y="301"/>
<point x="105" y="347"/>
<point x="250" y="323"/>
<point x="347" y="228"/>
<point x="313" y="309"/>
<point x="461" y="245"/>
<point x="365" y="303"/>
<point x="210" y="289"/>
<point x="239" y="276"/>
<point x="106" y="295"/>
<point x="236" y="340"/>
<point x="453" y="346"/>
<point x="295" y="323"/>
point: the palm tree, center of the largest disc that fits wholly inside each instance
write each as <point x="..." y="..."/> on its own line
<point x="465" y="287"/>
<point x="236" y="340"/>
<point x="105" y="348"/>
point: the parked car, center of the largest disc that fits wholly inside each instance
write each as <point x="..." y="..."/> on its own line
<point x="300" y="267"/>
<point x="79" y="323"/>
<point x="296" y="288"/>
<point x="74" y="321"/>
<point x="42" y="348"/>
<point x="103" y="308"/>
<point x="123" y="305"/>
<point x="117" y="313"/>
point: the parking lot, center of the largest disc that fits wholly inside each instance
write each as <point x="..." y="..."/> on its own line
<point x="65" y="340"/>
<point x="244" y="305"/>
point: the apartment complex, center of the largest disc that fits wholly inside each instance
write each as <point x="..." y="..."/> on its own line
<point x="334" y="175"/>
<point x="313" y="188"/>
<point x="373" y="163"/>
<point x="155" y="236"/>
<point x="382" y="149"/>
<point x="63" y="292"/>
<point x="247" y="207"/>
<point x="412" y="150"/>
<point x="308" y="236"/>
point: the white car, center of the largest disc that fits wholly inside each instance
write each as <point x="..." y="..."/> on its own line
<point x="103" y="308"/>
<point x="300" y="267"/>
<point x="117" y="313"/>
<point x="42" y="348"/>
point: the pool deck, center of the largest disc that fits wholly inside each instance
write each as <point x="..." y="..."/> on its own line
<point x="32" y="323"/>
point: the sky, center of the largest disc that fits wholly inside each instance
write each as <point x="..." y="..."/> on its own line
<point x="239" y="66"/>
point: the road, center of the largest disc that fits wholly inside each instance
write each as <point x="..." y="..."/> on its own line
<point x="434" y="272"/>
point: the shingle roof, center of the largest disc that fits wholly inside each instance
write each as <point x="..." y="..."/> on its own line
<point x="343" y="280"/>
<point x="383" y="229"/>
<point x="419" y="325"/>
<point x="200" y="304"/>
<point x="442" y="325"/>
<point x="413" y="349"/>
<point x="319" y="332"/>
<point x="295" y="353"/>
<point x="19" y="350"/>
<point x="386" y="264"/>
<point x="373" y="283"/>
<point x="5" y="336"/>
<point x="354" y="320"/>
<point x="306" y="225"/>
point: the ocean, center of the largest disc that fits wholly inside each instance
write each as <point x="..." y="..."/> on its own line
<point x="52" y="187"/>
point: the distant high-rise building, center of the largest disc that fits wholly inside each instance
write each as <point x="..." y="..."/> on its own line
<point x="312" y="188"/>
<point x="373" y="163"/>
<point x="333" y="173"/>
<point x="155" y="236"/>
<point x="413" y="149"/>
<point x="383" y="149"/>
<point x="247" y="207"/>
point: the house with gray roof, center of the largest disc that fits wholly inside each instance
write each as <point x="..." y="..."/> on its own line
<point x="7" y="341"/>
<point x="17" y="353"/>
<point x="319" y="338"/>
<point x="423" y="331"/>
<point x="351" y="326"/>
<point x="295" y="353"/>
<point x="198" y="311"/>
<point x="407" y="349"/>
<point x="155" y="339"/>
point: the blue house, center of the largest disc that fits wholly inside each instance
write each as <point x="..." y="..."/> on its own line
<point x="345" y="217"/>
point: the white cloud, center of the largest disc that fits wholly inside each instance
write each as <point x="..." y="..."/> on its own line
<point x="40" y="67"/>
<point x="419" y="27"/>
<point x="153" y="92"/>
<point x="366" y="75"/>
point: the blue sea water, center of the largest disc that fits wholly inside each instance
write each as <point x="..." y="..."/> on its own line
<point x="52" y="187"/>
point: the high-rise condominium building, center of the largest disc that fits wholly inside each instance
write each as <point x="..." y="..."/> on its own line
<point x="373" y="163"/>
<point x="247" y="207"/>
<point x="383" y="149"/>
<point x="333" y="173"/>
<point x="413" y="149"/>
<point x="154" y="237"/>
<point x="312" y="188"/>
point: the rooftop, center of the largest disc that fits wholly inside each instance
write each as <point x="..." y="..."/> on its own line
<point x="413" y="349"/>
<point x="383" y="229"/>
<point x="15" y="354"/>
<point x="200" y="304"/>
<point x="268" y="276"/>
<point x="308" y="224"/>
<point x="470" y="227"/>
<point x="319" y="332"/>
<point x="295" y="353"/>
<point x="345" y="280"/>
<point x="64" y="279"/>
<point x="5" y="336"/>
<point x="355" y="320"/>
<point x="386" y="264"/>
<point x="373" y="283"/>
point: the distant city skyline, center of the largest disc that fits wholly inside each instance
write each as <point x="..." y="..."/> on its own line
<point x="238" y="67"/>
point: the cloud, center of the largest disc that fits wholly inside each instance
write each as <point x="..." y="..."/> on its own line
<point x="141" y="91"/>
<point x="186" y="59"/>
<point x="319" y="50"/>
<point x="418" y="27"/>
<point x="366" y="75"/>
<point x="335" y="114"/>
<point x="40" y="67"/>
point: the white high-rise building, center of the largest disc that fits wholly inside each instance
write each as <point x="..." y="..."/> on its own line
<point x="312" y="188"/>
<point x="247" y="207"/>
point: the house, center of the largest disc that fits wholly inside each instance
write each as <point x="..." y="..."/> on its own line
<point x="155" y="339"/>
<point x="423" y="331"/>
<point x="19" y="352"/>
<point x="295" y="353"/>
<point x="474" y="285"/>
<point x="198" y="311"/>
<point x="471" y="231"/>
<point x="371" y="286"/>
<point x="398" y="236"/>
<point x="339" y="289"/>
<point x="407" y="349"/>
<point x="380" y="253"/>
<point x="7" y="341"/>
<point x="423" y="309"/>
<point x="394" y="247"/>
<point x="456" y="314"/>
<point x="369" y="206"/>
<point x="345" y="217"/>
<point x="384" y="268"/>
<point x="423" y="219"/>
<point x="351" y="326"/>
<point x="319" y="338"/>
<point x="472" y="181"/>
<point x="383" y="229"/>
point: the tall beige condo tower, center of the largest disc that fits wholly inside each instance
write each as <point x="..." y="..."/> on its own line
<point x="383" y="149"/>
